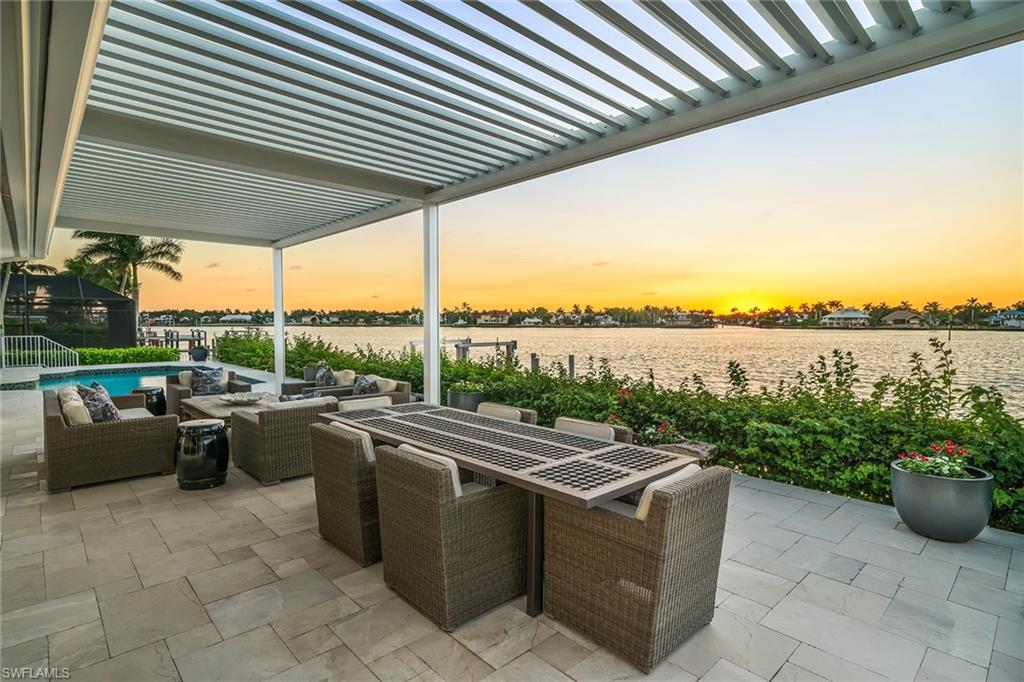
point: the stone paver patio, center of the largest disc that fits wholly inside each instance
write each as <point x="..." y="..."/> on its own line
<point x="136" y="580"/>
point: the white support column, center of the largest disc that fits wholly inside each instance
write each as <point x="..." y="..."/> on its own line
<point x="279" y="318"/>
<point x="431" y="305"/>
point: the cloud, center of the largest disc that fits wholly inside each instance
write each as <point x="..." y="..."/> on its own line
<point x="213" y="265"/>
<point x="601" y="263"/>
<point x="648" y="293"/>
<point x="294" y="267"/>
<point x="374" y="296"/>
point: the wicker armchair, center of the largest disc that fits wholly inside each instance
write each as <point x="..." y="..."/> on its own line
<point x="452" y="556"/>
<point x="509" y="412"/>
<point x="639" y="587"/>
<point x="273" y="444"/>
<point x="583" y="427"/>
<point x="97" y="453"/>
<point x="176" y="391"/>
<point x="345" y="479"/>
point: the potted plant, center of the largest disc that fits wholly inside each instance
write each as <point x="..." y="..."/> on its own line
<point x="939" y="495"/>
<point x="465" y="395"/>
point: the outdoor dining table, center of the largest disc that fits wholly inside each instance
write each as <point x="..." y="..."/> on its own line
<point x="546" y="463"/>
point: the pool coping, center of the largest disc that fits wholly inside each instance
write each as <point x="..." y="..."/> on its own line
<point x="27" y="378"/>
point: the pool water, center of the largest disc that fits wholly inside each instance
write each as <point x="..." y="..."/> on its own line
<point x="116" y="384"/>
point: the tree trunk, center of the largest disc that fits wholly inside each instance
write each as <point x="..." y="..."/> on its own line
<point x="135" y="292"/>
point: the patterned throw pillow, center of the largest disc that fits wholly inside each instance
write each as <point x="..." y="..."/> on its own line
<point x="365" y="386"/>
<point x="208" y="381"/>
<point x="324" y="377"/>
<point x="299" y="396"/>
<point x="97" y="401"/>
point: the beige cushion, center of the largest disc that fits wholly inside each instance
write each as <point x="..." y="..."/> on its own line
<point x="364" y="403"/>
<point x="383" y="385"/>
<point x="499" y="411"/>
<point x="185" y="378"/>
<point x="440" y="459"/>
<point x="582" y="427"/>
<point x="645" y="500"/>
<point x="364" y="438"/>
<point x="68" y="393"/>
<point x="72" y="408"/>
<point x="294" y="404"/>
<point x="344" y="377"/>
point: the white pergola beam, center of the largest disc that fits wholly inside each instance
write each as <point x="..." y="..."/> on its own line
<point x="344" y="225"/>
<point x="840" y="21"/>
<point x="279" y="342"/>
<point x="431" y="305"/>
<point x="156" y="228"/>
<point x="131" y="132"/>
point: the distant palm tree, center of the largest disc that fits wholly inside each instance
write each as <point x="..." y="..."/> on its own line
<point x="932" y="308"/>
<point x="126" y="253"/>
<point x="804" y="308"/>
<point x="90" y="270"/>
<point x="906" y="305"/>
<point x="835" y="304"/>
<point x="971" y="304"/>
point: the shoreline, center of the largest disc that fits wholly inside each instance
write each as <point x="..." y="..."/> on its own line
<point x="228" y="325"/>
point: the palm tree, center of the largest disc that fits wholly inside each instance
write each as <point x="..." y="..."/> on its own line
<point x="89" y="270"/>
<point x="971" y="305"/>
<point x="126" y="253"/>
<point x="835" y="304"/>
<point x="906" y="305"/>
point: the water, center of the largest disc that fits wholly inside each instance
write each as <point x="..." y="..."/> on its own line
<point x="982" y="357"/>
<point x="116" y="384"/>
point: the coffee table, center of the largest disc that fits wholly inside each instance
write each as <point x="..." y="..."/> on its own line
<point x="212" y="407"/>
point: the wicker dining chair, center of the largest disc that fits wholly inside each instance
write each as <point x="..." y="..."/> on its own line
<point x="452" y="549"/>
<point x="584" y="427"/>
<point x="364" y="403"/>
<point x="345" y="480"/>
<point x="507" y="412"/>
<point x="639" y="585"/>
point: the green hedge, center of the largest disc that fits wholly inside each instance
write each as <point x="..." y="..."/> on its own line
<point x="114" y="356"/>
<point x="815" y="430"/>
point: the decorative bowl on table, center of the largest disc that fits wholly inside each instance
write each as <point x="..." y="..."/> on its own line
<point x="241" y="398"/>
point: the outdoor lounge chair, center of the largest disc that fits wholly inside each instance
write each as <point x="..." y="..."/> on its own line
<point x="515" y="414"/>
<point x="176" y="391"/>
<point x="345" y="479"/>
<point x="639" y="580"/>
<point x="584" y="427"/>
<point x="273" y="444"/>
<point x="96" y="453"/>
<point x="452" y="549"/>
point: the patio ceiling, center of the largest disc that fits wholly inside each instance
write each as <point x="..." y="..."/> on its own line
<point x="272" y="124"/>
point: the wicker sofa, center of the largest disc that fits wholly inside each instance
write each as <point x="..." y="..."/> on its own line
<point x="97" y="453"/>
<point x="401" y="395"/>
<point x="345" y="479"/>
<point x="453" y="557"/>
<point x="639" y="587"/>
<point x="176" y="391"/>
<point x="273" y="444"/>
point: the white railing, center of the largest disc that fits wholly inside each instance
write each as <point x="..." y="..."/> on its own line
<point x="36" y="351"/>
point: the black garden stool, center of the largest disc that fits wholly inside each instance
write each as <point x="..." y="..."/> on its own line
<point x="202" y="454"/>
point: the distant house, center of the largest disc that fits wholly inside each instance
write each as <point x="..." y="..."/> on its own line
<point x="605" y="321"/>
<point x="680" y="319"/>
<point x="847" y="318"/>
<point x="903" y="318"/>
<point x="494" y="317"/>
<point x="162" y="320"/>
<point x="310" y="319"/>
<point x="459" y="323"/>
<point x="1012" y="319"/>
<point x="531" y="322"/>
<point x="243" y="319"/>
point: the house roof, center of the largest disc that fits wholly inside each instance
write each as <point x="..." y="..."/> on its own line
<point x="900" y="315"/>
<point x="64" y="287"/>
<point x="846" y="314"/>
<point x="274" y="124"/>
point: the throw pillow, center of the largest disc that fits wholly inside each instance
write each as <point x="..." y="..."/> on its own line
<point x="344" y="377"/>
<point x="72" y="407"/>
<point x="208" y="381"/>
<point x="383" y="385"/>
<point x="185" y="378"/>
<point x="299" y="396"/>
<point x="97" y="401"/>
<point x="324" y="377"/>
<point x="364" y="386"/>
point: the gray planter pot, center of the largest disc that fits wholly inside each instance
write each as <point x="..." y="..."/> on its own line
<point x="949" y="509"/>
<point x="465" y="401"/>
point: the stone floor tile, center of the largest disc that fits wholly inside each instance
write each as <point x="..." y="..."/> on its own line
<point x="232" y="555"/>
<point x="832" y="530"/>
<point x="149" y="663"/>
<point x="831" y="667"/>
<point x="11" y="563"/>
<point x="292" y="567"/>
<point x="273" y="601"/>
<point x="293" y="522"/>
<point x="945" y="668"/>
<point x="794" y="673"/>
<point x="313" y="643"/>
<point x="817" y="556"/>
<point x="221" y="536"/>
<point x="401" y="665"/>
<point x="64" y="557"/>
<point x="606" y="666"/>
<point x="382" y="628"/>
<point x="724" y="671"/>
<point x="1001" y="603"/>
<point x="526" y="668"/>
<point x="290" y="497"/>
<point x="39" y="542"/>
<point x="79" y="646"/>
<point x="1005" y="668"/>
<point x="745" y="643"/>
<point x="891" y="655"/>
<point x="975" y="576"/>
<point x="218" y="583"/>
<point x="980" y="556"/>
<point x="99" y="495"/>
<point x="25" y="653"/>
<point x="1015" y="581"/>
<point x="1005" y="538"/>
<point x="900" y="537"/>
<point x="923" y="573"/>
<point x="561" y="652"/>
<point x="366" y="586"/>
<point x="256" y="655"/>
<point x="295" y="546"/>
<point x="449" y="658"/>
<point x="193" y="640"/>
<point x="757" y="555"/>
<point x="337" y="664"/>
<point x="53" y="615"/>
<point x="90" y="574"/>
<point x="944" y="626"/>
<point x="878" y="580"/>
<point x="841" y="598"/>
<point x="156" y="565"/>
<point x="125" y="515"/>
<point x="101" y="543"/>
<point x="1010" y="638"/>
<point x="324" y="613"/>
<point x="138" y="618"/>
<point x="21" y="587"/>
<point x="744" y="608"/>
<point x="764" y="588"/>
<point x="773" y="536"/>
<point x="567" y="631"/>
<point x="93" y="517"/>
<point x="118" y="587"/>
<point x="25" y="517"/>
<point x="500" y="635"/>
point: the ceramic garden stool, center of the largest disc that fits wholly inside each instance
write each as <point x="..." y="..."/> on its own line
<point x="202" y="454"/>
<point x="156" y="402"/>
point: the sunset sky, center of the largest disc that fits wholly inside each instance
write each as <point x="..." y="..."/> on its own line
<point x="912" y="188"/>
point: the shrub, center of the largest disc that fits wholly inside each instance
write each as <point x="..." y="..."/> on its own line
<point x="816" y="431"/>
<point x="115" y="356"/>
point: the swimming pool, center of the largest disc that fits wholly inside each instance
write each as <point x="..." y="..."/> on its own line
<point x="116" y="382"/>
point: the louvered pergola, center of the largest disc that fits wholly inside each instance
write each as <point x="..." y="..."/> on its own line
<point x="277" y="123"/>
